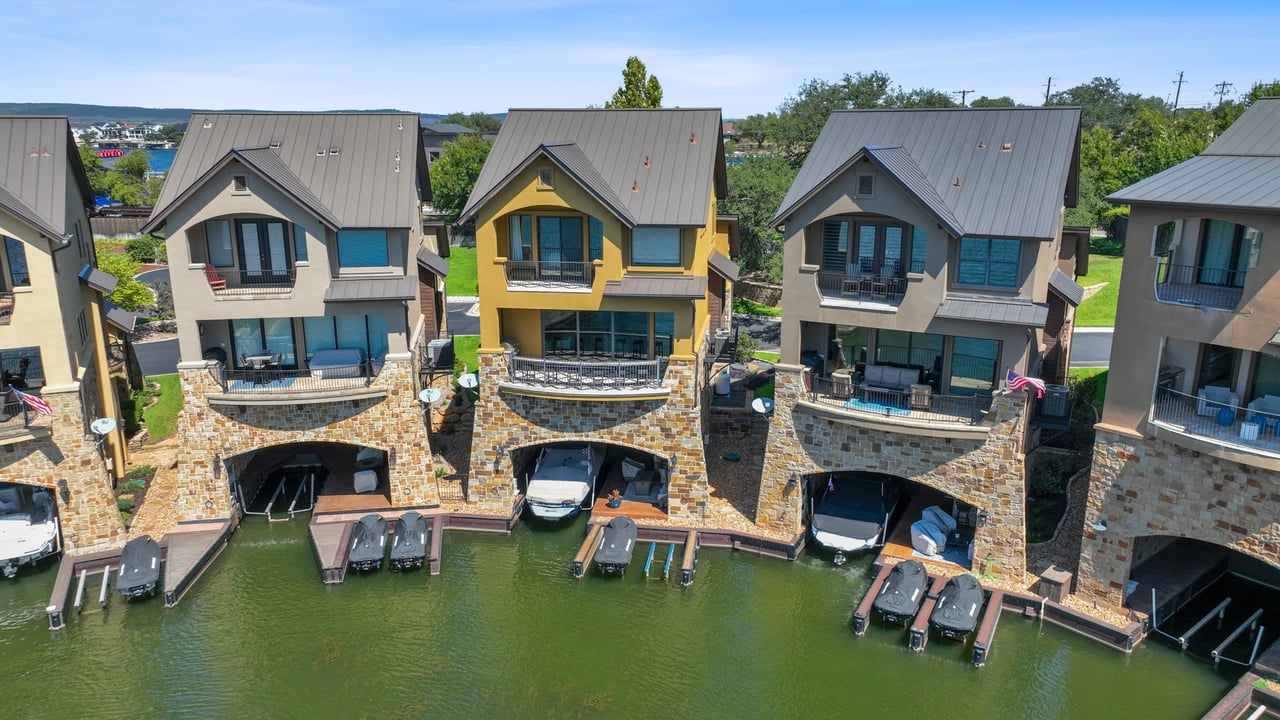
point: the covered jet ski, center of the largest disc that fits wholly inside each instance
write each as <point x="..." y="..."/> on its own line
<point x="956" y="614"/>
<point x="903" y="591"/>
<point x="368" y="543"/>
<point x="614" y="554"/>
<point x="139" y="568"/>
<point x="409" y="542"/>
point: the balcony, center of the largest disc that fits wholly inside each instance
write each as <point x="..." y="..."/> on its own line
<point x="276" y="386"/>
<point x="1224" y="426"/>
<point x="919" y="406"/>
<point x="15" y="417"/>
<point x="859" y="290"/>
<point x="549" y="274"/>
<point x="1199" y="286"/>
<point x="231" y="284"/>
<point x="6" y="307"/>
<point x="582" y="377"/>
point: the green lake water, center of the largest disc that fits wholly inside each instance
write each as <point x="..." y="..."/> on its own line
<point x="506" y="632"/>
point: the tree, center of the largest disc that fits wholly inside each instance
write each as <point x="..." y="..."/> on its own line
<point x="757" y="128"/>
<point x="454" y="173"/>
<point x="756" y="188"/>
<point x="478" y="121"/>
<point x="133" y="166"/>
<point x="639" y="88"/>
<point x="94" y="168"/>
<point x="146" y="248"/>
<point x="130" y="294"/>
<point x="920" y="98"/>
<point x="1102" y="102"/>
<point x="988" y="102"/>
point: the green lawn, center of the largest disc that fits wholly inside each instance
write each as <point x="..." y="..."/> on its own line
<point x="767" y="356"/>
<point x="462" y="272"/>
<point x="751" y="307"/>
<point x="1100" y="309"/>
<point x="161" y="419"/>
<point x="464" y="352"/>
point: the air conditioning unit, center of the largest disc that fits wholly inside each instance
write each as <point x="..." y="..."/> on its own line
<point x="440" y="353"/>
<point x="1056" y="402"/>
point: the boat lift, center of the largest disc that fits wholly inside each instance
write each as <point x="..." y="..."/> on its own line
<point x="1251" y="625"/>
<point x="308" y="484"/>
<point x="102" y="591"/>
<point x="666" y="566"/>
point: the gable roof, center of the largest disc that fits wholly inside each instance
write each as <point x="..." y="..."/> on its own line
<point x="1016" y="193"/>
<point x="354" y="170"/>
<point x="606" y="151"/>
<point x="1240" y="170"/>
<point x="36" y="153"/>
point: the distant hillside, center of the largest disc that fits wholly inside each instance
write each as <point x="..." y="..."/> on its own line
<point x="91" y="114"/>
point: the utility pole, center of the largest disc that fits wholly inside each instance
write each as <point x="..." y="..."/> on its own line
<point x="1047" y="87"/>
<point x="1177" y="94"/>
<point x="963" y="94"/>
<point x="1221" y="89"/>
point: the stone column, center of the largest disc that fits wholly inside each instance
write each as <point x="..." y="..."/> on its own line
<point x="398" y="422"/>
<point x="781" y="502"/>
<point x="679" y="424"/>
<point x="490" y="485"/>
<point x="203" y="492"/>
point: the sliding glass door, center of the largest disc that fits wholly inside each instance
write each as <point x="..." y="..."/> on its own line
<point x="264" y="335"/>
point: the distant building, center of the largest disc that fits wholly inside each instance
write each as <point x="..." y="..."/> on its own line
<point x="435" y="135"/>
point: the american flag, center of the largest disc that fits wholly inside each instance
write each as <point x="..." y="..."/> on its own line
<point x="1018" y="382"/>
<point x="34" y="402"/>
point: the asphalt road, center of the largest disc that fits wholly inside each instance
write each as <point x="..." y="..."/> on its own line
<point x="1091" y="348"/>
<point x="158" y="357"/>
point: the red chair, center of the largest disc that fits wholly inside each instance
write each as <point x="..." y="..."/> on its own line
<point x="217" y="281"/>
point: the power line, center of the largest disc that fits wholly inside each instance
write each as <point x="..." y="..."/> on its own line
<point x="963" y="94"/>
<point x="1048" y="86"/>
<point x="1177" y="94"/>
<point x="1221" y="90"/>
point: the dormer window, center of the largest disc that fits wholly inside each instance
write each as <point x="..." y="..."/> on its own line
<point x="866" y="184"/>
<point x="239" y="183"/>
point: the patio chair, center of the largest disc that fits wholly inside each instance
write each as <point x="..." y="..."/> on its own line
<point x="1213" y="398"/>
<point x="217" y="281"/>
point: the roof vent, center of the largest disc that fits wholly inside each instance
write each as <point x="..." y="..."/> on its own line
<point x="957" y="183"/>
<point x="319" y="152"/>
<point x="333" y="151"/>
<point x="693" y="138"/>
<point x="1007" y="147"/>
<point x="646" y="161"/>
<point x="635" y="186"/>
<point x="400" y="124"/>
<point x="207" y="124"/>
<point x="274" y="145"/>
<point x="982" y="145"/>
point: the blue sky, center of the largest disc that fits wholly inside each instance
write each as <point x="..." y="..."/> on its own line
<point x="743" y="56"/>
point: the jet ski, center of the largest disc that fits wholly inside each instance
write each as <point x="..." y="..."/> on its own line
<point x="903" y="591"/>
<point x="409" y="542"/>
<point x="956" y="614"/>
<point x="368" y="543"/>
<point x="139" y="568"/>
<point x="614" y="553"/>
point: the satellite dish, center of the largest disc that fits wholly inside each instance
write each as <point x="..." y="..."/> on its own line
<point x="764" y="406"/>
<point x="469" y="381"/>
<point x="430" y="396"/>
<point x="103" y="426"/>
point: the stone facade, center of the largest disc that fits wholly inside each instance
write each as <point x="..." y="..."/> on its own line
<point x="668" y="428"/>
<point x="987" y="473"/>
<point x="62" y="448"/>
<point x="1146" y="486"/>
<point x="393" y="424"/>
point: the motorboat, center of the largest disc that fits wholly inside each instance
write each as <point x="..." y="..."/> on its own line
<point x="619" y="541"/>
<point x="139" y="568"/>
<point x="956" y="614"/>
<point x="903" y="591"/>
<point x="28" y="527"/>
<point x="409" y="542"/>
<point x="368" y="543"/>
<point x="854" y="514"/>
<point x="562" y="478"/>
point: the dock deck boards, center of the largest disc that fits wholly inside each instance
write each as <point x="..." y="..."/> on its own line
<point x="350" y="502"/>
<point x="637" y="511"/>
<point x="987" y="627"/>
<point x="191" y="548"/>
<point x="330" y="540"/>
<point x="689" y="562"/>
<point x="582" y="560"/>
<point x="898" y="547"/>
<point x="1176" y="573"/>
<point x="862" y="616"/>
<point x="437" y="544"/>
<point x="918" y="634"/>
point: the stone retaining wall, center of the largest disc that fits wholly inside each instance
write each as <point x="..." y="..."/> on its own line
<point x="669" y="428"/>
<point x="1146" y="486"/>
<point x="756" y="291"/>
<point x="226" y="431"/>
<point x="986" y="473"/>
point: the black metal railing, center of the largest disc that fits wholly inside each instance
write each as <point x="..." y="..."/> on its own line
<point x="1199" y="285"/>
<point x="875" y="288"/>
<point x="552" y="273"/>
<point x="1220" y="420"/>
<point x="919" y="403"/>
<point x="587" y="374"/>
<point x="724" y="344"/>
<point x="258" y="278"/>
<point x="276" y="381"/>
<point x="15" y="416"/>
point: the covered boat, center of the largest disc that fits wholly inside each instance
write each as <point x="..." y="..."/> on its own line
<point x="139" y="568"/>
<point x="409" y="542"/>
<point x="854" y="514"/>
<point x="903" y="591"/>
<point x="562" y="478"/>
<point x="368" y="543"/>
<point x="614" y="553"/>
<point x="28" y="527"/>
<point x="956" y="614"/>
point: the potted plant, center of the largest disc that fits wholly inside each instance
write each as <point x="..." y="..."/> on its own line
<point x="615" y="499"/>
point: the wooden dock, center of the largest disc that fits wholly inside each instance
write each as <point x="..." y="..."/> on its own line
<point x="332" y="543"/>
<point x="689" y="562"/>
<point x="437" y="545"/>
<point x="191" y="548"/>
<point x="69" y="567"/>
<point x="987" y="628"/>
<point x="918" y="633"/>
<point x="582" y="561"/>
<point x="862" y="616"/>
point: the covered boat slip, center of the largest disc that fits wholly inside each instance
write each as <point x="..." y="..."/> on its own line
<point x="285" y="480"/>
<point x="955" y="556"/>
<point x="853" y="511"/>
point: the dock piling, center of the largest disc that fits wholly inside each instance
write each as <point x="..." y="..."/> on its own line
<point x="987" y="628"/>
<point x="79" y="604"/>
<point x="689" y="564"/>
<point x="918" y="634"/>
<point x="862" y="615"/>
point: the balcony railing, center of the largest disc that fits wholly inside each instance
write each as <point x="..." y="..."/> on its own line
<point x="270" y="381"/>
<point x="587" y="374"/>
<point x="874" y="288"/>
<point x="919" y="404"/>
<point x="550" y="273"/>
<point x="7" y="303"/>
<point x="1221" y="423"/>
<point x="15" y="416"/>
<point x="1198" y="285"/>
<point x="249" y="283"/>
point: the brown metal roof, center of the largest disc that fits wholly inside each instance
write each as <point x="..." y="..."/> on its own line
<point x="1015" y="193"/>
<point x="1011" y="311"/>
<point x="400" y="287"/>
<point x="364" y="169"/>
<point x="657" y="286"/>
<point x="35" y="155"/>
<point x="723" y="265"/>
<point x="682" y="147"/>
<point x="432" y="261"/>
<point x="120" y="317"/>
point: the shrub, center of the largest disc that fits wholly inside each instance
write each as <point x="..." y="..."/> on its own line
<point x="746" y="350"/>
<point x="124" y="503"/>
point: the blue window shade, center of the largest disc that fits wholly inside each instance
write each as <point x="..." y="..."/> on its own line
<point x="658" y="246"/>
<point x="319" y="333"/>
<point x="17" y="254"/>
<point x="362" y="248"/>
<point x="867" y="249"/>
<point x="919" y="247"/>
<point x="299" y="243"/>
<point x="351" y="332"/>
<point x="377" y="336"/>
<point x="595" y="239"/>
<point x="1003" y="268"/>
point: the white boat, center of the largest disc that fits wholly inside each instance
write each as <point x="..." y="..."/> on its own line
<point x="28" y="527"/>
<point x="854" y="513"/>
<point x="562" y="478"/>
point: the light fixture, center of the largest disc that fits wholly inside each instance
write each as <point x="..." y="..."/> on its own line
<point x="64" y="492"/>
<point x="391" y="457"/>
<point x="1101" y="524"/>
<point x="983" y="517"/>
<point x="208" y="504"/>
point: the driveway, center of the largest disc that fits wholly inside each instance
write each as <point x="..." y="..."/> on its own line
<point x="1091" y="347"/>
<point x="157" y="357"/>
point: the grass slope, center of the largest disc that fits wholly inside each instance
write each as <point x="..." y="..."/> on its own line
<point x="1100" y="309"/>
<point x="162" y="418"/>
<point x="462" y="272"/>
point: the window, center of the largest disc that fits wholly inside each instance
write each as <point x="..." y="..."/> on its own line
<point x="595" y="239"/>
<point x="877" y="248"/>
<point x="217" y="237"/>
<point x="546" y="178"/>
<point x="366" y="333"/>
<point x="22" y="367"/>
<point x="973" y="365"/>
<point x="991" y="262"/>
<point x="264" y="252"/>
<point x="82" y="327"/>
<point x="1227" y="250"/>
<point x="520" y="239"/>
<point x="919" y="248"/>
<point x="907" y="349"/>
<point x="1218" y="365"/>
<point x="655" y="246"/>
<point x="835" y="245"/>
<point x="1163" y="242"/>
<point x="363" y="248"/>
<point x="559" y="239"/>
<point x="607" y="334"/>
<point x="866" y="184"/>
<point x="299" y="243"/>
<point x="239" y="183"/>
<point x="16" y="254"/>
<point x="1266" y="379"/>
